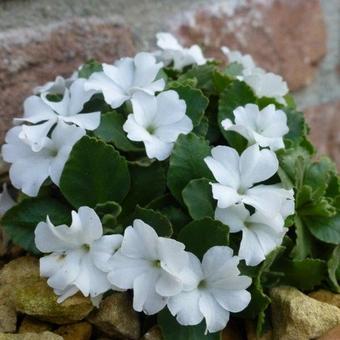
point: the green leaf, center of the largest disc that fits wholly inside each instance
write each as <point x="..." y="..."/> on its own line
<point x="172" y="330"/>
<point x="303" y="274"/>
<point x="110" y="207"/>
<point x="259" y="300"/>
<point x="20" y="222"/>
<point x="95" y="173"/>
<point x="195" y="100"/>
<point x="237" y="94"/>
<point x="298" y="128"/>
<point x="111" y="130"/>
<point x="169" y="207"/>
<point x="88" y="68"/>
<point x="204" y="76"/>
<point x="325" y="229"/>
<point x="333" y="265"/>
<point x="199" y="236"/>
<point x="304" y="241"/>
<point x="155" y="219"/>
<point x="234" y="69"/>
<point x="197" y="196"/>
<point x="187" y="163"/>
<point x="318" y="176"/>
<point x="147" y="183"/>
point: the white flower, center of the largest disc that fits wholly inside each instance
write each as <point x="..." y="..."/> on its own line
<point x="157" y="122"/>
<point x="174" y="52"/>
<point x="30" y="169"/>
<point x="265" y="127"/>
<point x="6" y="201"/>
<point x="77" y="254"/>
<point x="127" y="76"/>
<point x="260" y="235"/>
<point x="217" y="290"/>
<point x="264" y="84"/>
<point x="149" y="265"/>
<point x="57" y="86"/>
<point x="46" y="113"/>
<point x="237" y="175"/>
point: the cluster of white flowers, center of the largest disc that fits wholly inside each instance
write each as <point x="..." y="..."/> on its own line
<point x="44" y="139"/>
<point x="238" y="178"/>
<point x="264" y="84"/>
<point x="158" y="270"/>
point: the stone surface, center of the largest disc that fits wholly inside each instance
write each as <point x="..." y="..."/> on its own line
<point x="333" y="334"/>
<point x="116" y="317"/>
<point x="286" y="37"/>
<point x="31" y="336"/>
<point x="153" y="334"/>
<point x="295" y="316"/>
<point x="37" y="299"/>
<point x="76" y="331"/>
<point x="31" y="295"/>
<point x="324" y="121"/>
<point x="326" y="296"/>
<point x="33" y="57"/>
<point x="30" y="325"/>
<point x="11" y="274"/>
<point x="8" y="315"/>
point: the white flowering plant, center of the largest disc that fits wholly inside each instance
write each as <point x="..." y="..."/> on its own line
<point x="190" y="182"/>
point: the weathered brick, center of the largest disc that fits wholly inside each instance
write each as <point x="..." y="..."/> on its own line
<point x="324" y="121"/>
<point x="284" y="36"/>
<point x="32" y="57"/>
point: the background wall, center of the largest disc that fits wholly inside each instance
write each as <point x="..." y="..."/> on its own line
<point x="298" y="39"/>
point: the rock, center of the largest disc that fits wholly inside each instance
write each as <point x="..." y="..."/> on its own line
<point x="333" y="334"/>
<point x="75" y="331"/>
<point x="8" y="315"/>
<point x="18" y="270"/>
<point x="154" y="333"/>
<point x="284" y="36"/>
<point x="116" y="317"/>
<point x="326" y="296"/>
<point x="295" y="316"/>
<point x="30" y="325"/>
<point x="31" y="336"/>
<point x="31" y="295"/>
<point x="37" y="299"/>
<point x="31" y="57"/>
<point x="324" y="121"/>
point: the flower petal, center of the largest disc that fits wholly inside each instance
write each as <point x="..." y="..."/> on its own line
<point x="215" y="316"/>
<point x="232" y="301"/>
<point x="145" y="297"/>
<point x="257" y="165"/>
<point x="140" y="241"/>
<point x="225" y="196"/>
<point x="234" y="217"/>
<point x="224" y="164"/>
<point x="185" y="307"/>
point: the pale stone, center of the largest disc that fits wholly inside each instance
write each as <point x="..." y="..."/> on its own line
<point x="296" y="316"/>
<point x="30" y="325"/>
<point x="326" y="296"/>
<point x="75" y="331"/>
<point x="116" y="317"/>
<point x="31" y="336"/>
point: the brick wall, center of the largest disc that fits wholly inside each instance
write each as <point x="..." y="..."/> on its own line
<point x="299" y="39"/>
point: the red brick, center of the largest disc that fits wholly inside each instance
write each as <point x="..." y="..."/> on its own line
<point x="324" y="121"/>
<point x="32" y="57"/>
<point x="284" y="36"/>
